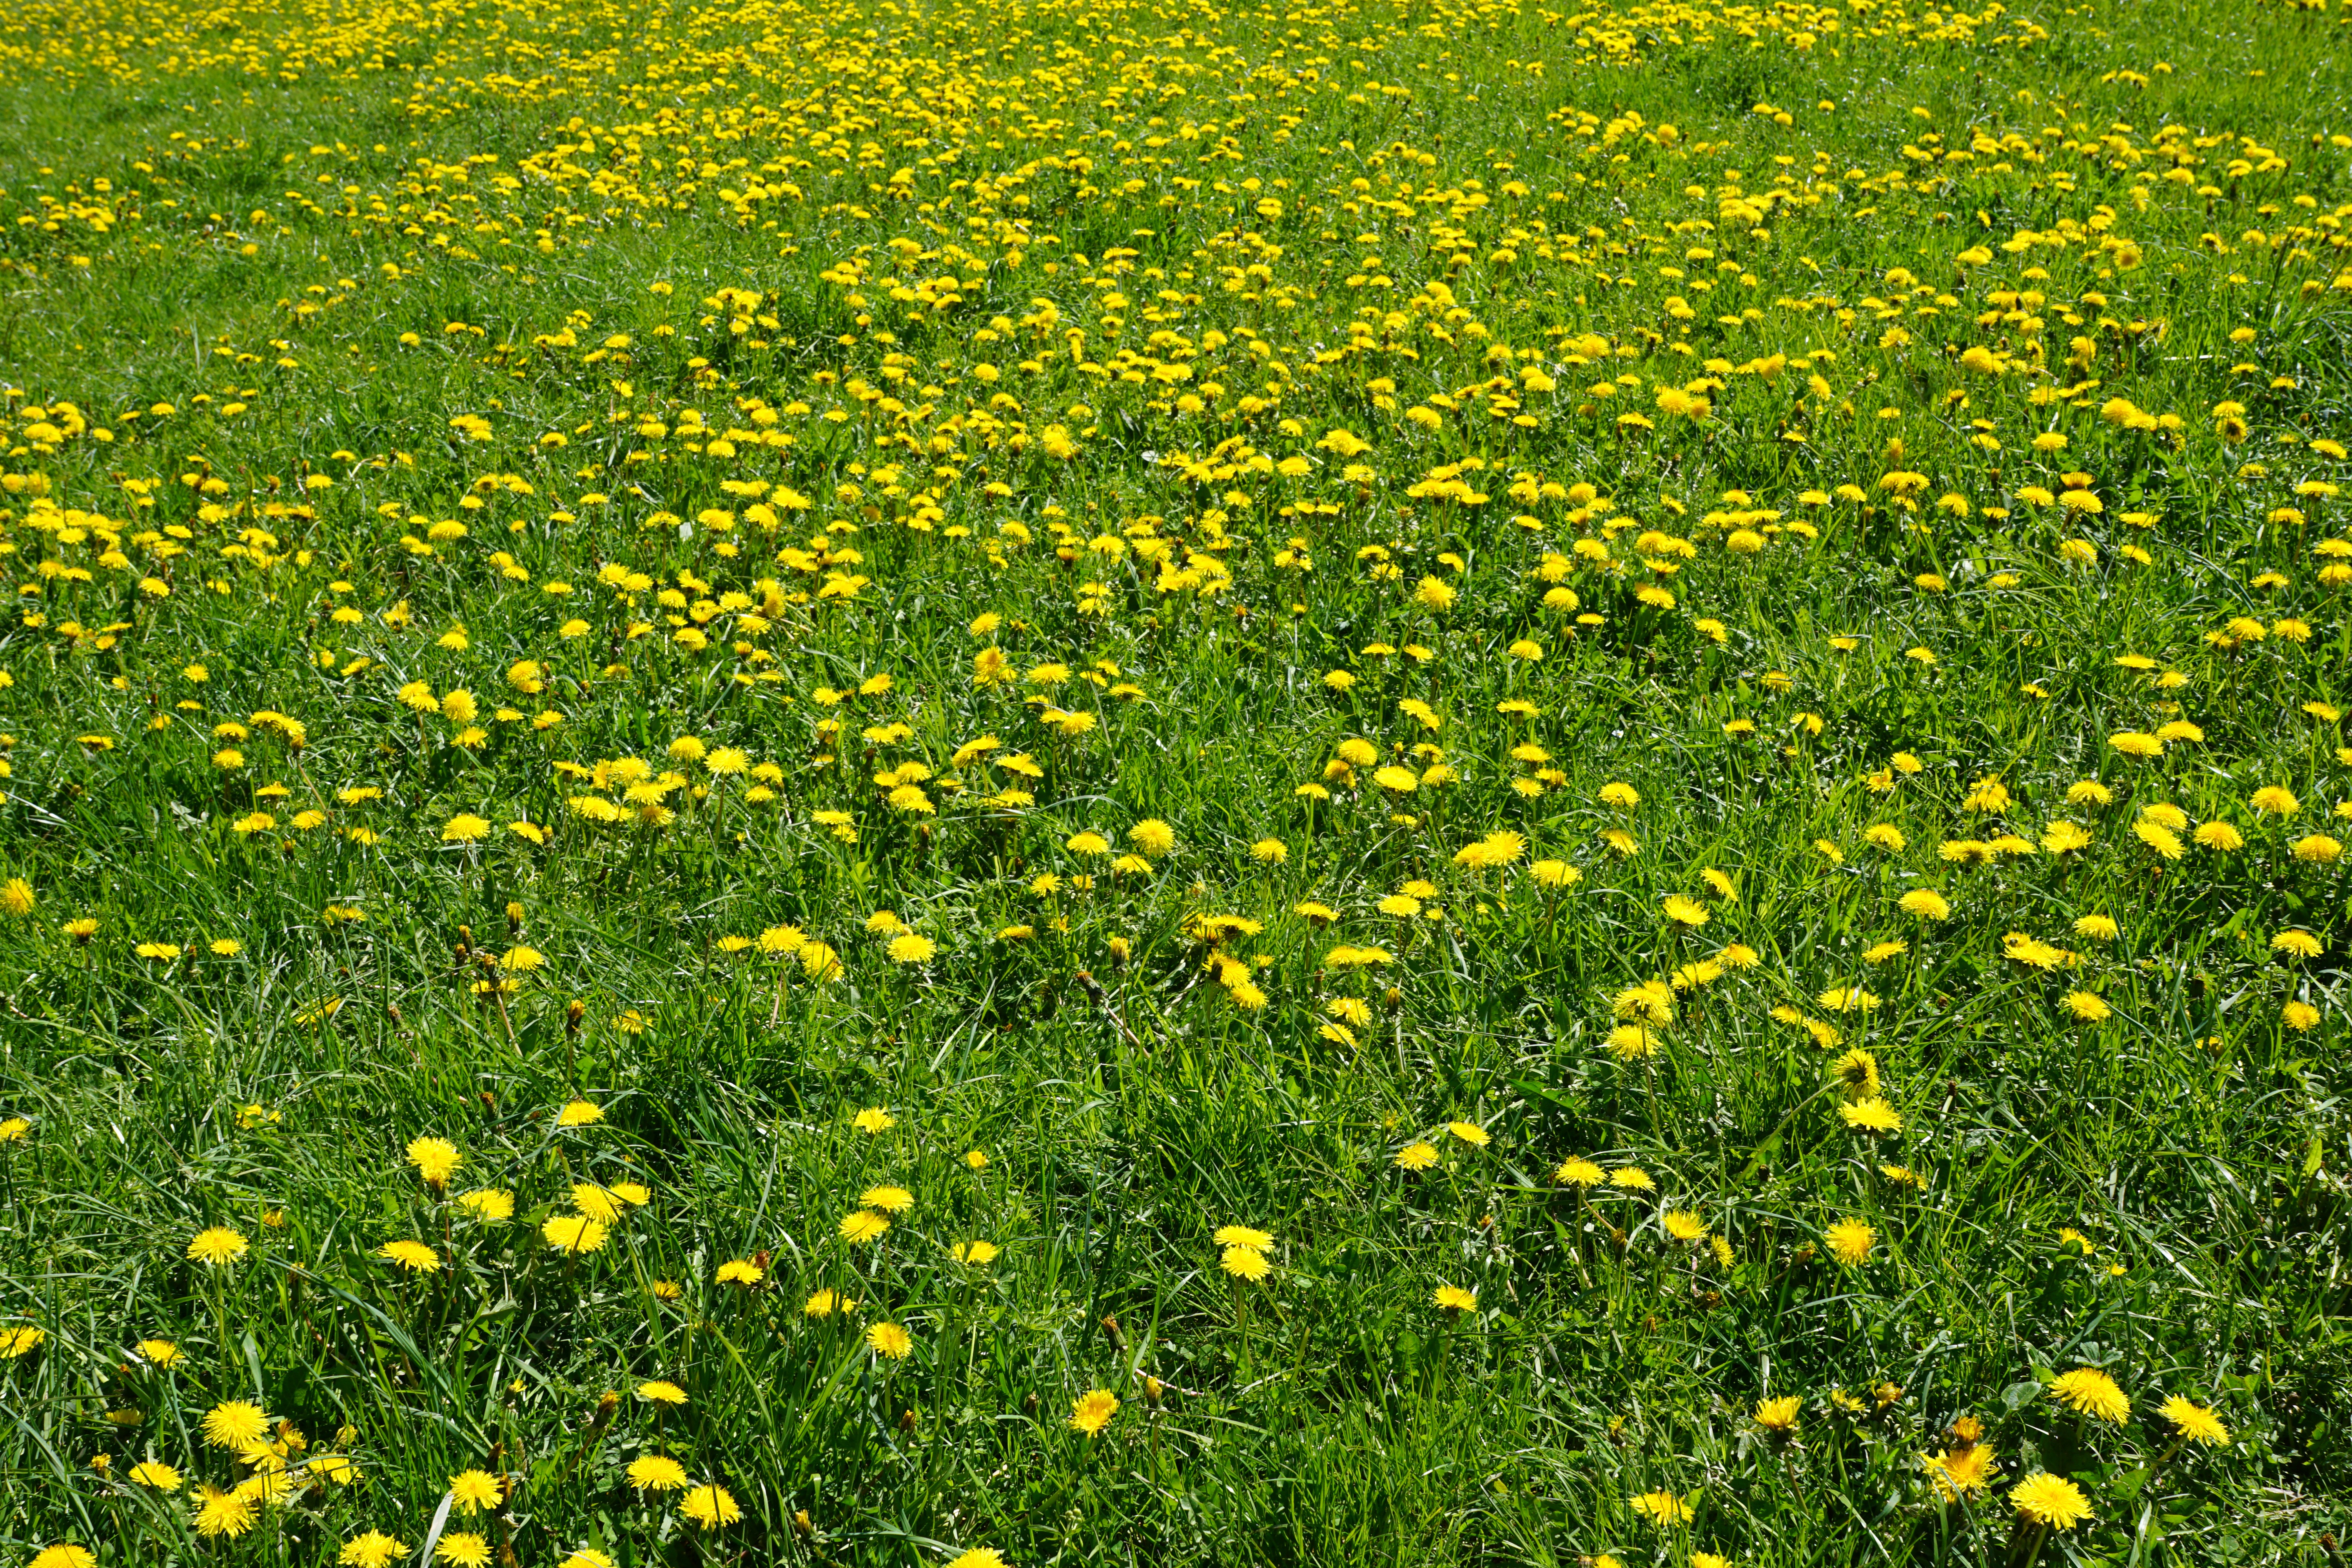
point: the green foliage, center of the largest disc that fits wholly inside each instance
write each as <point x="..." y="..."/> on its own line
<point x="1660" y="688"/>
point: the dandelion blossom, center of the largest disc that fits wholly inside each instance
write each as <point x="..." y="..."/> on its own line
<point x="472" y="1490"/>
<point x="891" y="1340"/>
<point x="236" y="1425"/>
<point x="435" y="1159"/>
<point x="2088" y="1006"/>
<point x="710" y="1506"/>
<point x="2196" y="1423"/>
<point x="2053" y="1500"/>
<point x="1858" y="1071"/>
<point x="462" y="1549"/>
<point x="1871" y="1115"/>
<point x="1957" y="1472"/>
<point x="2090" y="1392"/>
<point x="1092" y="1412"/>
<point x="216" y="1245"/>
<point x="1851" y="1241"/>
<point x="1925" y="904"/>
<point x="657" y="1473"/>
<point x="572" y="1233"/>
<point x="230" y="1513"/>
<point x="1245" y="1263"/>
<point x="488" y="1203"/>
<point x="1662" y="1508"/>
<point x="373" y="1549"/>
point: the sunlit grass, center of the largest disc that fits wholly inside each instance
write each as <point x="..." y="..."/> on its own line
<point x="1098" y="783"/>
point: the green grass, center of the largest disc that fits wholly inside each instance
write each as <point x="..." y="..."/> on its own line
<point x="2122" y="1149"/>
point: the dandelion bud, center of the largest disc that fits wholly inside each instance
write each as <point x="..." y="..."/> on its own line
<point x="1393" y="999"/>
<point x="514" y="917"/>
<point x="1152" y="1390"/>
<point x="907" y="1420"/>
<point x="1029" y="1403"/>
<point x="573" y="1013"/>
<point x="802" y="1525"/>
<point x="1117" y="1340"/>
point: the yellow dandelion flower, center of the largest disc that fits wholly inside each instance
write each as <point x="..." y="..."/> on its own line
<point x="2195" y="1422"/>
<point x="216" y="1245"/>
<point x="413" y="1256"/>
<point x="2090" y="1392"/>
<point x="1245" y="1263"/>
<point x="1851" y="1241"/>
<point x="710" y="1506"/>
<point x="1093" y="1411"/>
<point x="2053" y="1500"/>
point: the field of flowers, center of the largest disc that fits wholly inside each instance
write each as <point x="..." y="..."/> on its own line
<point x="1081" y="782"/>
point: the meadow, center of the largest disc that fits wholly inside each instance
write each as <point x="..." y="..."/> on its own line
<point x="1055" y="782"/>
